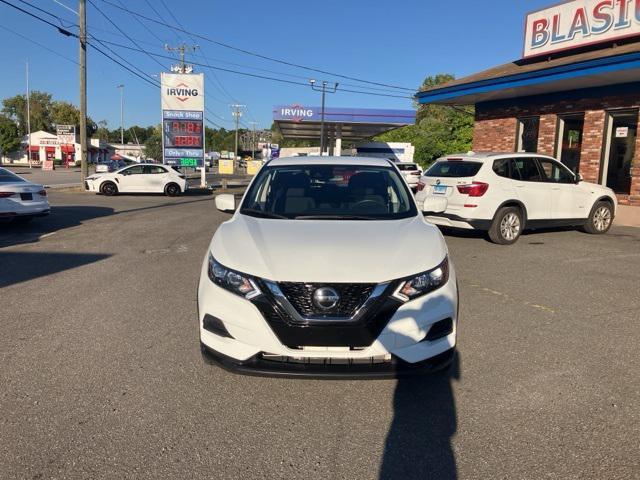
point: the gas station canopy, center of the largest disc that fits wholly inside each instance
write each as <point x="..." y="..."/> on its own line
<point x="350" y="124"/>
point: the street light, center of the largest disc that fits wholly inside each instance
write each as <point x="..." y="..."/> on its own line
<point x="121" y="87"/>
<point x="324" y="91"/>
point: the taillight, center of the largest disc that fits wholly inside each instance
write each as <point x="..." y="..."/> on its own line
<point x="42" y="193"/>
<point x="420" y="186"/>
<point x="416" y="174"/>
<point x="6" y="194"/>
<point x="475" y="189"/>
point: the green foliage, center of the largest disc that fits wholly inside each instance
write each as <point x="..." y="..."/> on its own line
<point x="9" y="136"/>
<point x="153" y="145"/>
<point x="439" y="129"/>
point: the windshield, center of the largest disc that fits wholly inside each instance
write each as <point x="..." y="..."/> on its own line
<point x="329" y="192"/>
<point x="9" y="177"/>
<point x="453" y="169"/>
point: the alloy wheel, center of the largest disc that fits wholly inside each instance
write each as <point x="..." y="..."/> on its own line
<point x="510" y="226"/>
<point x="602" y="218"/>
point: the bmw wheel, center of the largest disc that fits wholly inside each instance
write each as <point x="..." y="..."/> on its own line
<point x="600" y="219"/>
<point x="507" y="226"/>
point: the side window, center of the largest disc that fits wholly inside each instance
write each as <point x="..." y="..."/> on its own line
<point x="527" y="169"/>
<point x="153" y="169"/>
<point x="501" y="167"/>
<point x="554" y="172"/>
<point x="136" y="170"/>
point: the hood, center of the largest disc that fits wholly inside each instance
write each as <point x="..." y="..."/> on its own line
<point x="328" y="250"/>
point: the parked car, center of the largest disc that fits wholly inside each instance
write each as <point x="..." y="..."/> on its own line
<point x="310" y="275"/>
<point x="20" y="200"/>
<point x="139" y="178"/>
<point x="505" y="194"/>
<point x="411" y="173"/>
<point x="109" y="166"/>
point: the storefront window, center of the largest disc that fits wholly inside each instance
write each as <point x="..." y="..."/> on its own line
<point x="620" y="148"/>
<point x="527" y="136"/>
<point x="570" y="133"/>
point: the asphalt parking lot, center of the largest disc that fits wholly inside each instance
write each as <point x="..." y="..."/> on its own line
<point x="102" y="376"/>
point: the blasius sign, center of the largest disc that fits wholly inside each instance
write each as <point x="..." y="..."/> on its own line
<point x="578" y="23"/>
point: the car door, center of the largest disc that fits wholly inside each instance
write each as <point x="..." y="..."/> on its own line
<point x="130" y="179"/>
<point x="155" y="178"/>
<point x="531" y="189"/>
<point x="568" y="199"/>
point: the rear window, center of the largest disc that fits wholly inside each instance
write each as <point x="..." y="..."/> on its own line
<point x="9" y="177"/>
<point x="453" y="169"/>
<point x="407" y="166"/>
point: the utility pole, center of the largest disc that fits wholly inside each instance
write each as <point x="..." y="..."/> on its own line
<point x="237" y="113"/>
<point x="253" y="140"/>
<point x="28" y="118"/>
<point x="324" y="91"/>
<point x="121" y="88"/>
<point x="182" y="67"/>
<point x="82" y="16"/>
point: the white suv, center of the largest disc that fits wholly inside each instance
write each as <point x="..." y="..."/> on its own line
<point x="411" y="173"/>
<point x="310" y="276"/>
<point x="507" y="192"/>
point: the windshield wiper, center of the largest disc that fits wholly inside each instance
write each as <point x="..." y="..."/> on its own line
<point x="333" y="217"/>
<point x="260" y="214"/>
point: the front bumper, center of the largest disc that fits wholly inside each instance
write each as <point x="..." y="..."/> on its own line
<point x="399" y="344"/>
<point x="395" y="368"/>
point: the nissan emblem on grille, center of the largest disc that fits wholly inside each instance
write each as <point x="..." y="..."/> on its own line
<point x="326" y="298"/>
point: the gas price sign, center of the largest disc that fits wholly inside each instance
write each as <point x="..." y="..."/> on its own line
<point x="183" y="138"/>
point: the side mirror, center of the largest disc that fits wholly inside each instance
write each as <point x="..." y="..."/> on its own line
<point x="434" y="204"/>
<point x="226" y="202"/>
<point x="578" y="178"/>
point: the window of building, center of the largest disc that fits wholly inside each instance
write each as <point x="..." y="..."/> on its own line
<point x="569" y="141"/>
<point x="527" y="135"/>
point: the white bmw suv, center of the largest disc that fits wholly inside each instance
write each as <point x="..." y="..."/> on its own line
<point x="508" y="192"/>
<point x="309" y="277"/>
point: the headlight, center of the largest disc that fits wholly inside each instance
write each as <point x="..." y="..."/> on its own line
<point x="423" y="283"/>
<point x="231" y="280"/>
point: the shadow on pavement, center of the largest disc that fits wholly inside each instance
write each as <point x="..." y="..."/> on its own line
<point x="418" y="444"/>
<point x="17" y="267"/>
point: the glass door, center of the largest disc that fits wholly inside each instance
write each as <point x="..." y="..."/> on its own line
<point x="620" y="148"/>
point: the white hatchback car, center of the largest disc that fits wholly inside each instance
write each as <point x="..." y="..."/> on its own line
<point x="507" y="192"/>
<point x="140" y="178"/>
<point x="21" y="200"/>
<point x="310" y="276"/>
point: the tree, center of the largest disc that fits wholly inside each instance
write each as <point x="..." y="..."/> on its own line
<point x="9" y="135"/>
<point x="439" y="129"/>
<point x="40" y="105"/>
<point x="153" y="145"/>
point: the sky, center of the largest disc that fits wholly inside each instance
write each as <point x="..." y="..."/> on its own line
<point x="396" y="43"/>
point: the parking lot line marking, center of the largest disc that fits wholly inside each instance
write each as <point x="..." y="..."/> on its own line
<point x="48" y="234"/>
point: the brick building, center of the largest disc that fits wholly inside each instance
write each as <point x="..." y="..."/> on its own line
<point x="578" y="102"/>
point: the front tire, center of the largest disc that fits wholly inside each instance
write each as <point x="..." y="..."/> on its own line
<point x="600" y="219"/>
<point x="109" y="189"/>
<point x="507" y="226"/>
<point x="172" y="190"/>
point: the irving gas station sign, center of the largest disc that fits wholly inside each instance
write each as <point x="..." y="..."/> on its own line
<point x="578" y="23"/>
<point x="183" y="119"/>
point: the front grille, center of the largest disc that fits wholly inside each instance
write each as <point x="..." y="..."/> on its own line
<point x="352" y="296"/>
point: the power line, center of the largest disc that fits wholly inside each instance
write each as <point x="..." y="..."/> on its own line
<point x="264" y="77"/>
<point x="258" y="55"/>
<point x="39" y="44"/>
<point x="123" y="32"/>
